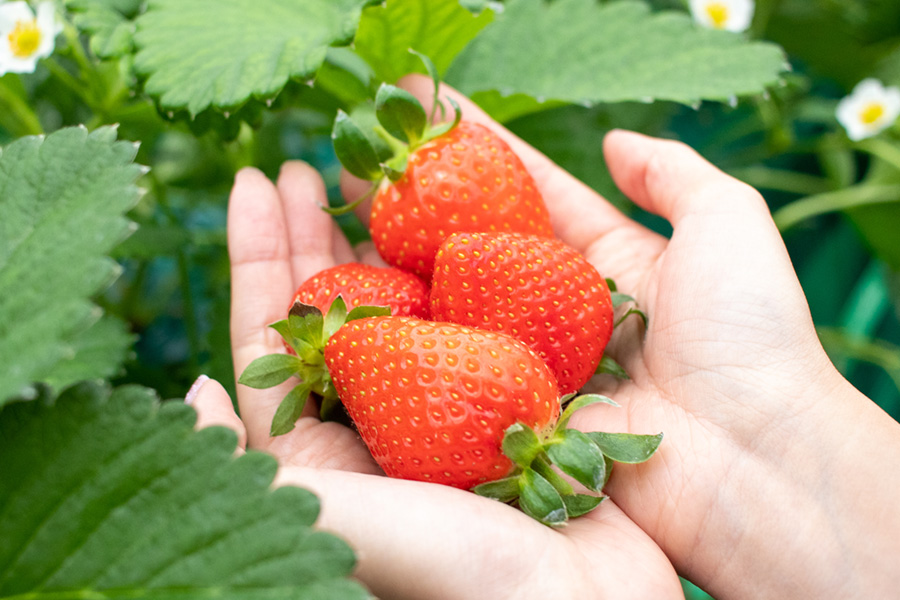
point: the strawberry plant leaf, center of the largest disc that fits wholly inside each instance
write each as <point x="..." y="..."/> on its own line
<point x="201" y="53"/>
<point x="354" y="149"/>
<point x="626" y="447"/>
<point x="579" y="457"/>
<point x="540" y="500"/>
<point x="108" y="23"/>
<point x="49" y="268"/>
<point x="270" y="370"/>
<point x="290" y="409"/>
<point x="436" y="28"/>
<point x="110" y="493"/>
<point x="99" y="353"/>
<point x="611" y="52"/>
<point x="400" y="113"/>
<point x="581" y="504"/>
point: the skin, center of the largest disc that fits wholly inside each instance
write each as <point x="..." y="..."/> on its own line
<point x="776" y="478"/>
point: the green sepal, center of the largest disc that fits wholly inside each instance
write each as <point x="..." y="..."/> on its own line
<point x="611" y="284"/>
<point x="364" y="312"/>
<point x="581" y="504"/>
<point x="580" y="402"/>
<point x="270" y="370"/>
<point x="354" y="149"/>
<point x="436" y="80"/>
<point x="618" y="299"/>
<point x="539" y="499"/>
<point x="504" y="490"/>
<point x="626" y="447"/>
<point x="289" y="410"/>
<point x="400" y="113"/>
<point x="609" y="366"/>
<point x="442" y="128"/>
<point x="306" y="323"/>
<point x="336" y="317"/>
<point x="521" y="444"/>
<point x="579" y="457"/>
<point x="609" y="469"/>
<point x="632" y="311"/>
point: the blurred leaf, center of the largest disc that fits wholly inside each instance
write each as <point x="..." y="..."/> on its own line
<point x="112" y="494"/>
<point x="62" y="199"/>
<point x="202" y="53"/>
<point x="437" y="28"/>
<point x="108" y="22"/>
<point x="879" y="226"/>
<point x="585" y="53"/>
<point x="841" y="345"/>
<point x="861" y="195"/>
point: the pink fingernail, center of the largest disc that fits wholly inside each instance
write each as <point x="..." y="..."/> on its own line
<point x="195" y="390"/>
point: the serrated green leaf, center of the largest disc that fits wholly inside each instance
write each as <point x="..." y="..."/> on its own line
<point x="290" y="409"/>
<point x="540" y="500"/>
<point x="201" y="53"/>
<point x="579" y="457"/>
<point x="114" y="494"/>
<point x="63" y="200"/>
<point x="581" y="504"/>
<point x="436" y="28"/>
<point x="96" y="353"/>
<point x="521" y="444"/>
<point x="611" y="52"/>
<point x="626" y="447"/>
<point x="400" y="113"/>
<point x="107" y="22"/>
<point x="354" y="149"/>
<point x="270" y="370"/>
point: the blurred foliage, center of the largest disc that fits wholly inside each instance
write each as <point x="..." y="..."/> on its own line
<point x="201" y="111"/>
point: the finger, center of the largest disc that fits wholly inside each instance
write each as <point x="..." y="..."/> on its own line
<point x="214" y="407"/>
<point x="340" y="247"/>
<point x="578" y="214"/>
<point x="261" y="289"/>
<point x="310" y="229"/>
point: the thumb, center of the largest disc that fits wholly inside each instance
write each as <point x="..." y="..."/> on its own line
<point x="214" y="407"/>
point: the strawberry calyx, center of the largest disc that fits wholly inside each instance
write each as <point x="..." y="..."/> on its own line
<point x="537" y="485"/>
<point x="607" y="364"/>
<point x="305" y="331"/>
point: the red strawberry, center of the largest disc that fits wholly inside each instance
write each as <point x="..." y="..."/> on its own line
<point x="538" y="290"/>
<point x="432" y="400"/>
<point x="467" y="179"/>
<point x="366" y="285"/>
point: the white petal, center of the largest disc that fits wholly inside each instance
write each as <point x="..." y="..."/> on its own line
<point x="740" y="15"/>
<point x="49" y="27"/>
<point x="13" y="12"/>
<point x="892" y="103"/>
<point x="870" y="89"/>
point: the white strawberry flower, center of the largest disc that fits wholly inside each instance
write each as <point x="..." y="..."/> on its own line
<point x="869" y="109"/>
<point x="26" y="35"/>
<point x="730" y="15"/>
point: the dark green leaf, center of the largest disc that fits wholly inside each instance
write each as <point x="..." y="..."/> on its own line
<point x="400" y="113"/>
<point x="609" y="366"/>
<point x="504" y="490"/>
<point x="540" y="500"/>
<point x="626" y="447"/>
<point x="115" y="495"/>
<point x="581" y="504"/>
<point x="270" y="370"/>
<point x="289" y="410"/>
<point x="97" y="353"/>
<point x="611" y="284"/>
<point x="53" y="192"/>
<point x="611" y="52"/>
<point x="354" y="149"/>
<point x="609" y="468"/>
<point x="579" y="457"/>
<point x="521" y="444"/>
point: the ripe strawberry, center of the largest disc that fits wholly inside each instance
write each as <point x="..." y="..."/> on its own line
<point x="467" y="179"/>
<point x="432" y="400"/>
<point x="538" y="290"/>
<point x="366" y="285"/>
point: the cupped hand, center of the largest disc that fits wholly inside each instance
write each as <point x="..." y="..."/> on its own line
<point x="414" y="540"/>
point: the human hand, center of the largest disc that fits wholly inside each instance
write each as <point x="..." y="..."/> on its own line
<point x="413" y="539"/>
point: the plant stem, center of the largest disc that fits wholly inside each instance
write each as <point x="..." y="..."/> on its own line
<point x="13" y="104"/>
<point x="851" y="197"/>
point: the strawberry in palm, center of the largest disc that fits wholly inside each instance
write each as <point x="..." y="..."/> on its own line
<point x="538" y="290"/>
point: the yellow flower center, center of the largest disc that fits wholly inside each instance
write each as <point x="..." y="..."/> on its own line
<point x="871" y="112"/>
<point x="25" y="38"/>
<point x="718" y="14"/>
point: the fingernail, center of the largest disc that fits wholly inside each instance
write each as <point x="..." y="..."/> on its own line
<point x="195" y="390"/>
